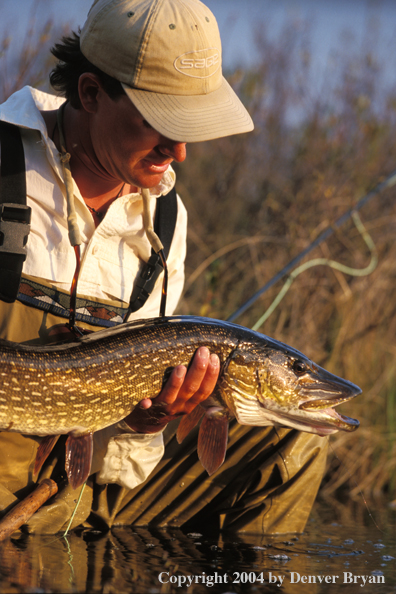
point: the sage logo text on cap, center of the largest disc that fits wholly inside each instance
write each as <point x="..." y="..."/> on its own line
<point x="192" y="63"/>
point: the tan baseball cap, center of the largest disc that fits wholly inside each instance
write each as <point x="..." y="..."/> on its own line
<point x="167" y="55"/>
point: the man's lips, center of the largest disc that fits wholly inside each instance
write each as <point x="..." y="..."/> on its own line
<point x="156" y="167"/>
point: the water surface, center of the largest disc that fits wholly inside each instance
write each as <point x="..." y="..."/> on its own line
<point x="329" y="557"/>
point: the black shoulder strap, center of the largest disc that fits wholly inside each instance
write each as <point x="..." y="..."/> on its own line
<point x="164" y="226"/>
<point x="165" y="219"/>
<point x="14" y="214"/>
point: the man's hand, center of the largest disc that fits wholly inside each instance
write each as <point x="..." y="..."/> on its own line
<point x="183" y="391"/>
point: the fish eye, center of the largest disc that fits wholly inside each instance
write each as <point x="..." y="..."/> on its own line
<point x="299" y="367"/>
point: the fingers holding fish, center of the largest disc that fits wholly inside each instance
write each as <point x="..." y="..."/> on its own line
<point x="183" y="391"/>
<point x="150" y="416"/>
<point x="197" y="385"/>
<point x="206" y="386"/>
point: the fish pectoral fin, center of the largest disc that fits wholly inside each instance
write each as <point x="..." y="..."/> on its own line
<point x="46" y="446"/>
<point x="188" y="423"/>
<point x="212" y="439"/>
<point x="79" y="450"/>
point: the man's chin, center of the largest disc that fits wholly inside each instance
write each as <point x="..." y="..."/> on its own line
<point x="149" y="181"/>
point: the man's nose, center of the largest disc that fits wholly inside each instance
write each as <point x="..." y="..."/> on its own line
<point x="173" y="149"/>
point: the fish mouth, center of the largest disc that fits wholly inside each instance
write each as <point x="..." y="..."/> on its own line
<point x="322" y="421"/>
<point x="316" y="415"/>
<point x="325" y="408"/>
<point x="323" y="396"/>
<point x="329" y="421"/>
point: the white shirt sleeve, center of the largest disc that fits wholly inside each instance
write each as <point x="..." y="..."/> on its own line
<point x="125" y="457"/>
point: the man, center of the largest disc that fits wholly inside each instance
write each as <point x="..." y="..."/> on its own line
<point x="142" y="80"/>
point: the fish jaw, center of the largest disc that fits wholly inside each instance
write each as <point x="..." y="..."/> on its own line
<point x="262" y="414"/>
<point x="323" y="421"/>
<point x="320" y="397"/>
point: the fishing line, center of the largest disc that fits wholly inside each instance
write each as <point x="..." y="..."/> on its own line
<point x="387" y="183"/>
<point x="64" y="535"/>
<point x="74" y="511"/>
<point x="360" y="493"/>
<point x="70" y="561"/>
<point x="70" y="554"/>
<point x="326" y="262"/>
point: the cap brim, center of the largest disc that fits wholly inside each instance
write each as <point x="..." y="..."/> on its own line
<point x="193" y="118"/>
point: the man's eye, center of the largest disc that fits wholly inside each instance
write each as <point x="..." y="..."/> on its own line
<point x="147" y="125"/>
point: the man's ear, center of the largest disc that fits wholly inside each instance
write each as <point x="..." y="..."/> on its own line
<point x="89" y="90"/>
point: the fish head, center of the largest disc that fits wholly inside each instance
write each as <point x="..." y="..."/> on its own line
<point x="273" y="384"/>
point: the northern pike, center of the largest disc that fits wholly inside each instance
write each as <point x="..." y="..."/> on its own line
<point x="81" y="387"/>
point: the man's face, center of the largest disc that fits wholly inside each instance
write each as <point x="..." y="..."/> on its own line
<point x="126" y="147"/>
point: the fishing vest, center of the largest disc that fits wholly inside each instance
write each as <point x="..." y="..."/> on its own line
<point x="15" y="226"/>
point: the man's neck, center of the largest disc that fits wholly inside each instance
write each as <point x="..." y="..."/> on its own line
<point x="97" y="190"/>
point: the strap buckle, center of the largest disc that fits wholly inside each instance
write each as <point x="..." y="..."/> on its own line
<point x="14" y="228"/>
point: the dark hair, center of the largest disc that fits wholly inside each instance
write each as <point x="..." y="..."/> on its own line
<point x="72" y="64"/>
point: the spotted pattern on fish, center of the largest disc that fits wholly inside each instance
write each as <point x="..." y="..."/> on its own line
<point x="85" y="386"/>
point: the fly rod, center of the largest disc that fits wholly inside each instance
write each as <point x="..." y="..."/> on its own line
<point x="387" y="183"/>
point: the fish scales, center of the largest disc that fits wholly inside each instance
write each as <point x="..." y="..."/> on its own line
<point x="63" y="388"/>
<point x="95" y="382"/>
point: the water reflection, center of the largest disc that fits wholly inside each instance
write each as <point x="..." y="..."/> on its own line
<point x="166" y="561"/>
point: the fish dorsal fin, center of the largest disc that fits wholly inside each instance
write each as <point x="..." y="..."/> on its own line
<point x="188" y="423"/>
<point x="46" y="446"/>
<point x="212" y="439"/>
<point x="79" y="450"/>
